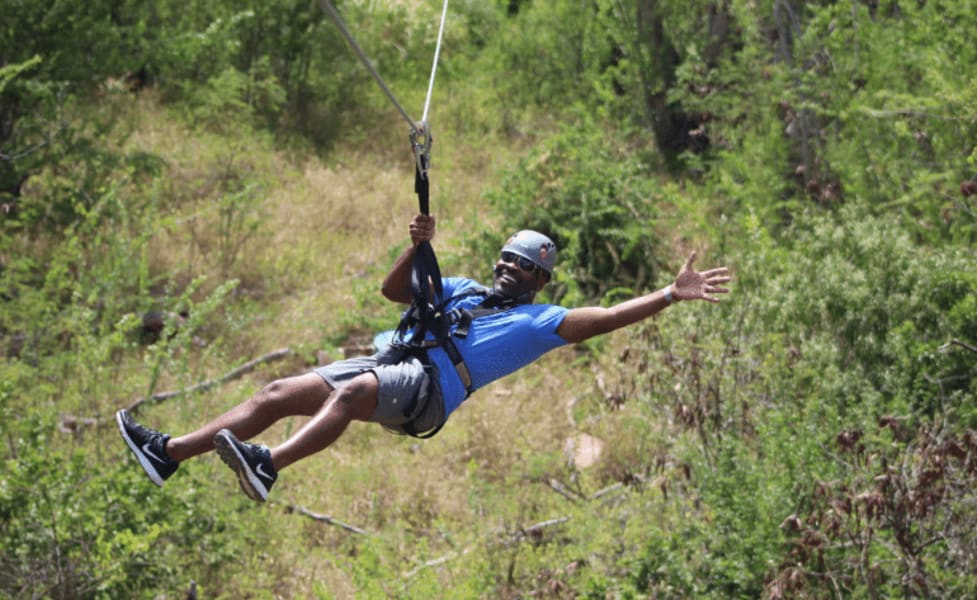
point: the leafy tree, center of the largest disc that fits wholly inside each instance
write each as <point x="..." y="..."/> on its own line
<point x="49" y="56"/>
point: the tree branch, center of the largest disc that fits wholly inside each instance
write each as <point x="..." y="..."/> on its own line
<point x="917" y="113"/>
<point x="326" y="519"/>
<point x="436" y="562"/>
<point x="534" y="531"/>
<point x="563" y="490"/>
<point x="206" y="385"/>
<point x="523" y="533"/>
<point x="71" y="423"/>
<point x="964" y="345"/>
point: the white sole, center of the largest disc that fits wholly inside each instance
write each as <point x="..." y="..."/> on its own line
<point x="144" y="462"/>
<point x="250" y="484"/>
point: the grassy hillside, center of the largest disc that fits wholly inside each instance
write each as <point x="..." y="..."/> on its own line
<point x="813" y="436"/>
<point x="308" y="247"/>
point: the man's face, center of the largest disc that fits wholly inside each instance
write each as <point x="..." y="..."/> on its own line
<point x="515" y="276"/>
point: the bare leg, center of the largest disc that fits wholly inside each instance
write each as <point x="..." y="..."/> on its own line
<point x="301" y="395"/>
<point x="356" y="400"/>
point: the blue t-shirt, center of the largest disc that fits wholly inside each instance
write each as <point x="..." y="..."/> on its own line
<point x="496" y="344"/>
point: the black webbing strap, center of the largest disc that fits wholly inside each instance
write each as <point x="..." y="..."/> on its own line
<point x="490" y="306"/>
<point x="441" y="321"/>
<point x="449" y="347"/>
<point x="422" y="186"/>
<point x="409" y="430"/>
<point x="426" y="286"/>
<point x="463" y="317"/>
<point x="426" y="313"/>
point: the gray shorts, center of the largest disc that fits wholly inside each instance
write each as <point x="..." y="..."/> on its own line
<point x="408" y="391"/>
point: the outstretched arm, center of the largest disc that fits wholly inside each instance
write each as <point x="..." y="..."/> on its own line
<point x="396" y="285"/>
<point x="584" y="323"/>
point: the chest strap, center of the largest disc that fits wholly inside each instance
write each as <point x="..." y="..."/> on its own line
<point x="462" y="318"/>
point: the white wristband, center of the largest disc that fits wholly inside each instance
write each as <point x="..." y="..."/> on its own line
<point x="669" y="298"/>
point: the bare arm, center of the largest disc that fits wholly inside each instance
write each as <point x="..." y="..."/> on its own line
<point x="396" y="285"/>
<point x="584" y="323"/>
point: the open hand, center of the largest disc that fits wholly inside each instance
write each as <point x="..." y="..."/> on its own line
<point x="693" y="285"/>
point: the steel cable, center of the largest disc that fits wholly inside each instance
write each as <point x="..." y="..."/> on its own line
<point x="331" y="11"/>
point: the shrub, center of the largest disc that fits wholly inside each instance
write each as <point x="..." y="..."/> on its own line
<point x="585" y="190"/>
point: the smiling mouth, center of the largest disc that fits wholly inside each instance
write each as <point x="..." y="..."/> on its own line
<point x="506" y="279"/>
<point x="504" y="276"/>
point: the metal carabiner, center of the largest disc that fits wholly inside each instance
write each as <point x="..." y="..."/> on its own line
<point x="421" y="141"/>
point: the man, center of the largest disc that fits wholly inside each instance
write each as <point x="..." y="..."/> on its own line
<point x="412" y="390"/>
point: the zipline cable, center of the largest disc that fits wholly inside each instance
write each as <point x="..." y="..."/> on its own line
<point x="420" y="132"/>
<point x="434" y="67"/>
<point x="327" y="6"/>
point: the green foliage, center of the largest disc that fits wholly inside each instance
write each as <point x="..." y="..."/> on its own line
<point x="813" y="436"/>
<point x="74" y="529"/>
<point x="850" y="334"/>
<point x="172" y="352"/>
<point x="566" y="54"/>
<point x="809" y="104"/>
<point x="890" y="309"/>
<point x="583" y="189"/>
<point x="233" y="100"/>
<point x="9" y="72"/>
<point x="916" y="103"/>
<point x="784" y="405"/>
<point x="73" y="523"/>
<point x="237" y="65"/>
<point x="47" y="62"/>
<point x="86" y="281"/>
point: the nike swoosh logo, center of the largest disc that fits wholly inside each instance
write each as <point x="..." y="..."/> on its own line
<point x="261" y="471"/>
<point x="149" y="452"/>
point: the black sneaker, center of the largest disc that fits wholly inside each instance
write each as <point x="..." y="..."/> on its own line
<point x="148" y="445"/>
<point x="251" y="462"/>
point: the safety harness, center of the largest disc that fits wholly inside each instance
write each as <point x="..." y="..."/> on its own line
<point x="422" y="317"/>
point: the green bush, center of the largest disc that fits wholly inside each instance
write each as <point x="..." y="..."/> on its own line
<point x="844" y="358"/>
<point x="812" y="436"/>
<point x="76" y="528"/>
<point x="888" y="306"/>
<point x="595" y="200"/>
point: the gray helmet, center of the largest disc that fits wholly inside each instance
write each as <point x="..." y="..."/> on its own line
<point x="534" y="246"/>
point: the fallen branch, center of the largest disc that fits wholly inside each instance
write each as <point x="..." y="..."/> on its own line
<point x="532" y="532"/>
<point x="523" y="533"/>
<point x="206" y="385"/>
<point x="71" y="423"/>
<point x="535" y="531"/>
<point x="437" y="562"/>
<point x="563" y="490"/>
<point x="611" y="488"/>
<point x="915" y="113"/>
<point x="639" y="479"/>
<point x="325" y="519"/>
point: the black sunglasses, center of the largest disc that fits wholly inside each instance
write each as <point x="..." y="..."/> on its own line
<point x="523" y="263"/>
